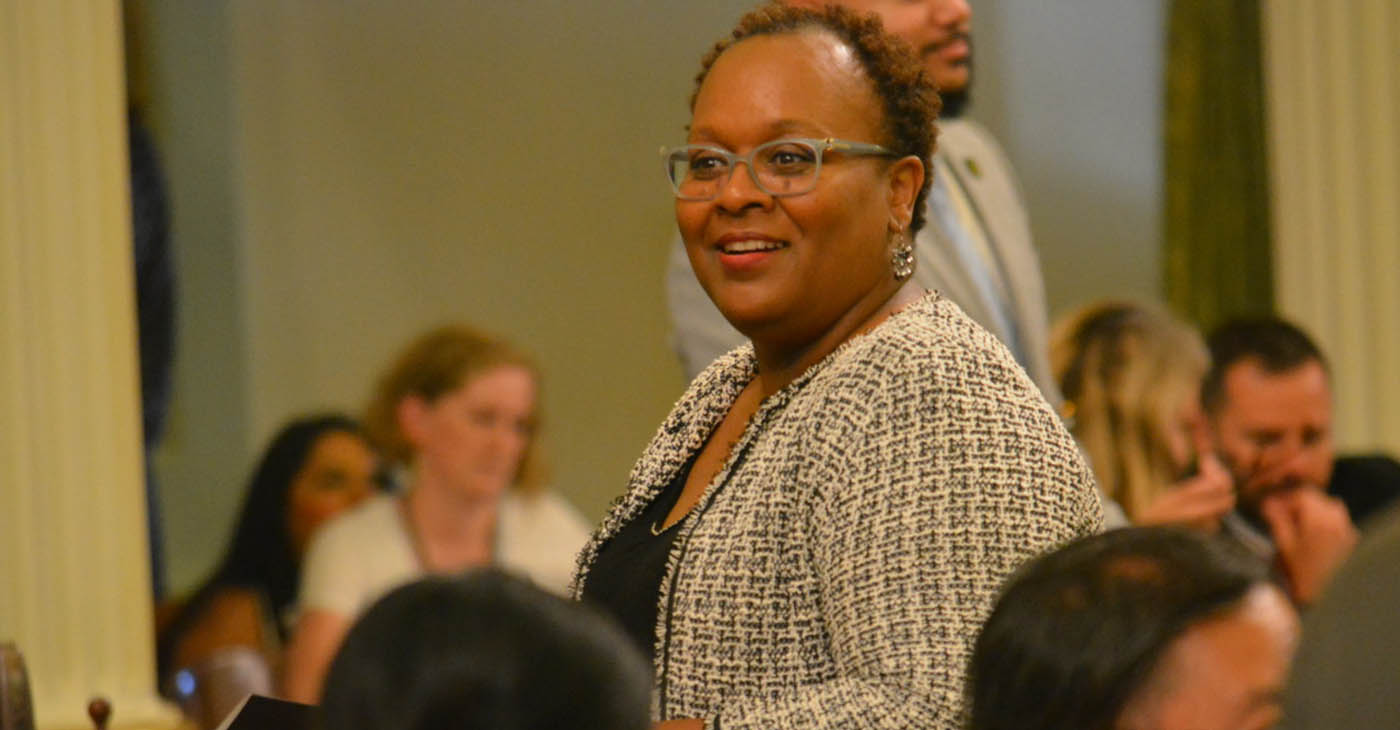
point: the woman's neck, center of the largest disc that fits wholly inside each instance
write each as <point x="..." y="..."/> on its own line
<point x="452" y="531"/>
<point x="781" y="362"/>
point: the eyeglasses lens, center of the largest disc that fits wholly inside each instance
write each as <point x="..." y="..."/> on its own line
<point x="780" y="168"/>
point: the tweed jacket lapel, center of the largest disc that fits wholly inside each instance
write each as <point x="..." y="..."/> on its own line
<point x="682" y="434"/>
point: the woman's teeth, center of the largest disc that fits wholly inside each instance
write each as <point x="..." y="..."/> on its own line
<point x="751" y="246"/>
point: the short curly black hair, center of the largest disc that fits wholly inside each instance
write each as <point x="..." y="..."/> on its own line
<point x="1276" y="345"/>
<point x="910" y="101"/>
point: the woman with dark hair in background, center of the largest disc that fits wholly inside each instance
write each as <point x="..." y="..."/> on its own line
<point x="814" y="534"/>
<point x="485" y="650"/>
<point x="313" y="468"/>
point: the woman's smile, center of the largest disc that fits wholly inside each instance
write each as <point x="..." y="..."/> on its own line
<point x="744" y="253"/>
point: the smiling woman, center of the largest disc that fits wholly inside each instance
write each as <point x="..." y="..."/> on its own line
<point x="814" y="534"/>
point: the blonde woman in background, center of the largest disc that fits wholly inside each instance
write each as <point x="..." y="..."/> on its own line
<point x="457" y="413"/>
<point x="1131" y="376"/>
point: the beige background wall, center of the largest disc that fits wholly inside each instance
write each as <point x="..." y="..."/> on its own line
<point x="1074" y="92"/>
<point x="346" y="174"/>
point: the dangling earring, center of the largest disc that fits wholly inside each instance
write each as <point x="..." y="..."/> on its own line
<point x="903" y="259"/>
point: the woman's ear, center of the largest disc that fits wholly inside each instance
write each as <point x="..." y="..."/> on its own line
<point x="906" y="179"/>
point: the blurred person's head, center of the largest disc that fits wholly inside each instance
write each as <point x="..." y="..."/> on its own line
<point x="486" y="650"/>
<point x="1150" y="628"/>
<point x="313" y="468"/>
<point x="813" y="231"/>
<point x="1131" y="377"/>
<point x="336" y="473"/>
<point x="1268" y="397"/>
<point x="459" y="408"/>
<point x="939" y="32"/>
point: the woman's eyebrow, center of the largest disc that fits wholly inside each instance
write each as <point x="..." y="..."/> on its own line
<point x="773" y="130"/>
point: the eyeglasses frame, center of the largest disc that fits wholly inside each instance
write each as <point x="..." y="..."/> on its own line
<point x="822" y="146"/>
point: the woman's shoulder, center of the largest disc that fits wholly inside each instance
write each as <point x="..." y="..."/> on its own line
<point x="540" y="535"/>
<point x="357" y="556"/>
<point x="233" y="616"/>
<point x="368" y="523"/>
<point x="938" y="344"/>
<point x="545" y="507"/>
<point x="371" y="515"/>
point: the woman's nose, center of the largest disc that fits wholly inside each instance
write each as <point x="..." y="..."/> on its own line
<point x="740" y="191"/>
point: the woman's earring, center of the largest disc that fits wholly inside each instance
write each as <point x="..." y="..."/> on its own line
<point x="903" y="259"/>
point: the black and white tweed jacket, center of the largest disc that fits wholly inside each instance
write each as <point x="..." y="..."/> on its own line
<point x="837" y="570"/>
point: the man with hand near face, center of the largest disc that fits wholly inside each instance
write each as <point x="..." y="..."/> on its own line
<point x="977" y="248"/>
<point x="1268" y="398"/>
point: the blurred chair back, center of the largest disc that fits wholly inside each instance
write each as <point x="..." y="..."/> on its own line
<point x="16" y="705"/>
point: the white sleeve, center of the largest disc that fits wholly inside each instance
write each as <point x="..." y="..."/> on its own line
<point x="329" y="579"/>
<point x="541" y="538"/>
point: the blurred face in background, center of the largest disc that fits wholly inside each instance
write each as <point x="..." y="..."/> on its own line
<point x="1226" y="672"/>
<point x="1185" y="425"/>
<point x="939" y="32"/>
<point x="337" y="474"/>
<point x="471" y="440"/>
<point x="1274" y="430"/>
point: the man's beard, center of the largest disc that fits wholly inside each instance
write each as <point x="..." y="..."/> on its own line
<point x="955" y="102"/>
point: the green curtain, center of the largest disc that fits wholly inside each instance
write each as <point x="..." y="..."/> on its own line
<point x="1217" y="257"/>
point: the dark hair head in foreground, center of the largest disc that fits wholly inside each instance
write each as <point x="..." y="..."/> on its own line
<point x="1083" y="636"/>
<point x="486" y="650"/>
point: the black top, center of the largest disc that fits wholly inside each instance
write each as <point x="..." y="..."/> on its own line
<point x="1367" y="484"/>
<point x="626" y="576"/>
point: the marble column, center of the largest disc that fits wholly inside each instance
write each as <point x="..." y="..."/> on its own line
<point x="74" y="581"/>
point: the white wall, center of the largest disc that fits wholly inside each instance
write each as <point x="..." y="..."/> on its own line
<point x="206" y="450"/>
<point x="1073" y="90"/>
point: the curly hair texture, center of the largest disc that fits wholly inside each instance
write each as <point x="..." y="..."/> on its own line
<point x="433" y="365"/>
<point x="910" y="101"/>
<point x="1125" y="369"/>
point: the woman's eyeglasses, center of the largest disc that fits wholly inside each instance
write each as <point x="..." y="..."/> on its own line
<point x="779" y="168"/>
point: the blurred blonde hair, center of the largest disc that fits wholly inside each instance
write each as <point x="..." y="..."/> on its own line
<point x="434" y="364"/>
<point x="1125" y="369"/>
